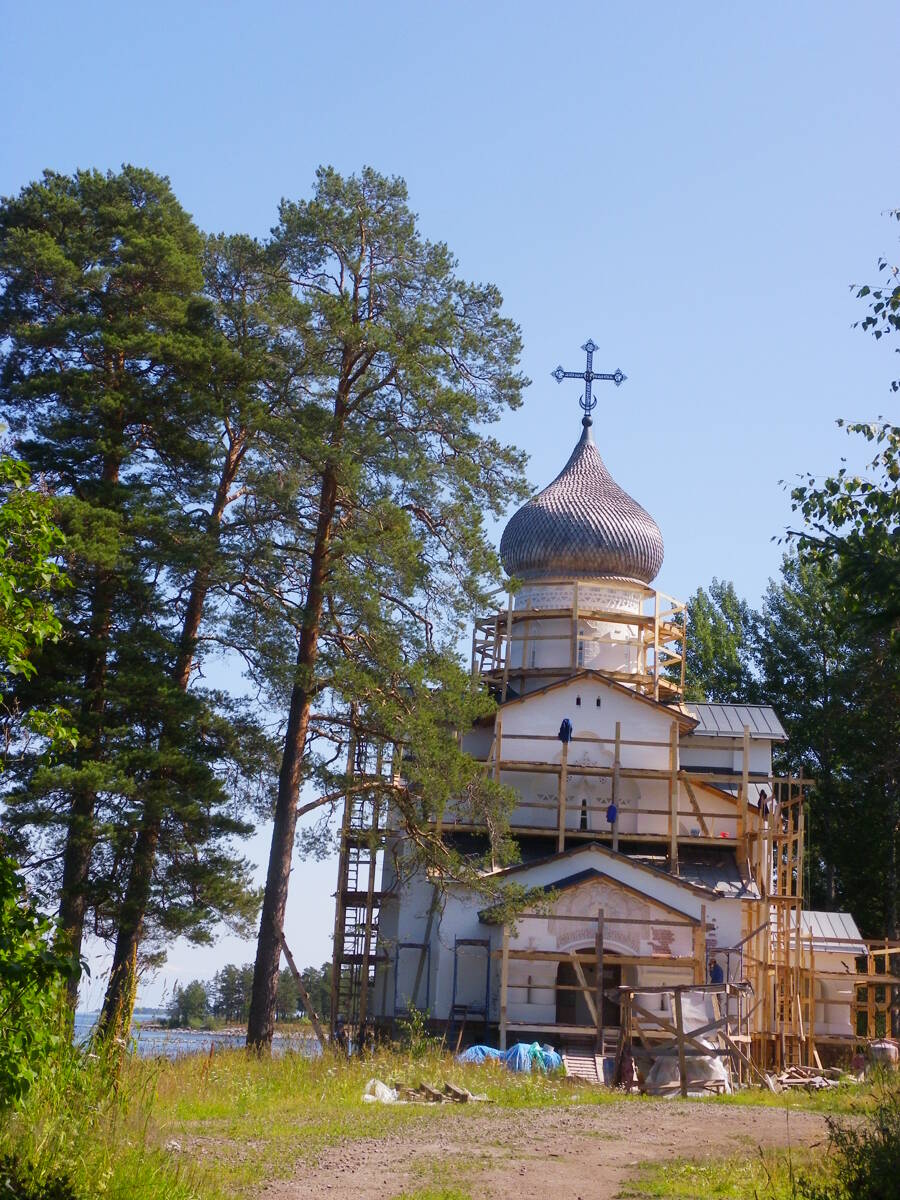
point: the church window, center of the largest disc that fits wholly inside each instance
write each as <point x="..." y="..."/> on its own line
<point x="598" y="701"/>
<point x="578" y="701"/>
<point x="584" y="814"/>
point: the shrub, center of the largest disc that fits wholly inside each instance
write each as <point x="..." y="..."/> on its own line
<point x="866" y="1157"/>
<point x="33" y="970"/>
<point x="21" y="1181"/>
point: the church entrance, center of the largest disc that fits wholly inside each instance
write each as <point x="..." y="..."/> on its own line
<point x="571" y="1006"/>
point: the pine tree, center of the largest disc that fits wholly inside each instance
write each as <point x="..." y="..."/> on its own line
<point x="107" y="338"/>
<point x="391" y="472"/>
<point x="250" y="371"/>
<point x="98" y="277"/>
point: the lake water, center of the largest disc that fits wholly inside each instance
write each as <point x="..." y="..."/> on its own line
<point x="152" y="1042"/>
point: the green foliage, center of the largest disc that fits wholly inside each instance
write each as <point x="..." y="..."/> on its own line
<point x="118" y="376"/>
<point x="33" y="969"/>
<point x="719" y="645"/>
<point x="853" y="524"/>
<point x="229" y="992"/>
<point x="415" y="1040"/>
<point x="287" y="997"/>
<point x="20" y="1181"/>
<point x="866" y="1156"/>
<point x="317" y="982"/>
<point x="388" y="473"/>
<point x="29" y="542"/>
<point x="30" y="574"/>
<point x="836" y="686"/>
<point x="85" y="1126"/>
<point x="189" y="1006"/>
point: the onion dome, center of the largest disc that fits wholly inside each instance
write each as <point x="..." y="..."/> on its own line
<point x="582" y="525"/>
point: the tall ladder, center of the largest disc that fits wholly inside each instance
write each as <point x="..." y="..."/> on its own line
<point x="357" y="900"/>
<point x="786" y="932"/>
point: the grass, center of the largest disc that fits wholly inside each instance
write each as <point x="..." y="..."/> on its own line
<point x="211" y="1127"/>
<point x="771" y="1175"/>
<point x="848" y="1099"/>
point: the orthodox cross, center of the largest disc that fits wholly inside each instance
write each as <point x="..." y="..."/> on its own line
<point x="587" y="402"/>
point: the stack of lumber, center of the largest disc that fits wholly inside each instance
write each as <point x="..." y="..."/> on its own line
<point x="811" y="1078"/>
<point x="424" y="1093"/>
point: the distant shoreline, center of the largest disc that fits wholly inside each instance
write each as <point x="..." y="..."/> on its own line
<point x="222" y="1030"/>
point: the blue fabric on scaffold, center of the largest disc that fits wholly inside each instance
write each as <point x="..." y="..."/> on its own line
<point x="523" y="1056"/>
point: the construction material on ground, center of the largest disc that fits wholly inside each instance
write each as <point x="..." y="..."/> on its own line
<point x="885" y="1052"/>
<point x="378" y="1092"/>
<point x="523" y="1056"/>
<point x="584" y="1065"/>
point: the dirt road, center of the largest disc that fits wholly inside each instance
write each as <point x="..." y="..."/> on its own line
<point x="581" y="1153"/>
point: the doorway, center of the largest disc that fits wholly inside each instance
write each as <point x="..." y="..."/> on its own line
<point x="571" y="1006"/>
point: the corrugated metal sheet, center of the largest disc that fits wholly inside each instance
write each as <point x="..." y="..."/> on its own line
<point x="832" y="933"/>
<point x="728" y="720"/>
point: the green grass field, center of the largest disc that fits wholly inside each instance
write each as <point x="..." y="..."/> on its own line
<point x="206" y="1128"/>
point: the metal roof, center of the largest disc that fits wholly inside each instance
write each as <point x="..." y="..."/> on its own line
<point x="717" y="870"/>
<point x="582" y="524"/>
<point x="728" y="720"/>
<point x="832" y="933"/>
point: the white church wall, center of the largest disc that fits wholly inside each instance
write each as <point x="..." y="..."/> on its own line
<point x="478" y="741"/>
<point x="835" y="996"/>
<point x="729" y="756"/>
<point x="406" y="920"/>
<point x="459" y="919"/>
<point x="543" y="713"/>
<point x="602" y="645"/>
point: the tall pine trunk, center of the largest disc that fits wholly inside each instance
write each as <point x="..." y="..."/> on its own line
<point x="79" y="846"/>
<point x="118" y="1003"/>
<point x="261" y="1024"/>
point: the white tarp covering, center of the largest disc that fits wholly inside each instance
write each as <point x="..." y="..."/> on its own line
<point x="704" y="1075"/>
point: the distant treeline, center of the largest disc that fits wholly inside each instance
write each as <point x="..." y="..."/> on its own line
<point x="226" y="997"/>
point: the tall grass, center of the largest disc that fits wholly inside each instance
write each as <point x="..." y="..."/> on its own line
<point x="216" y="1126"/>
<point x="89" y="1122"/>
<point x="205" y="1127"/>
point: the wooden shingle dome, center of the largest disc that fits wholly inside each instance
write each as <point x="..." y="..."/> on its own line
<point x="582" y="525"/>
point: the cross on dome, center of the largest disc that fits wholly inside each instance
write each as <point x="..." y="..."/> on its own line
<point x="587" y="402"/>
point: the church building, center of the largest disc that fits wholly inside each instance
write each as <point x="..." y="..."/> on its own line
<point x="663" y="854"/>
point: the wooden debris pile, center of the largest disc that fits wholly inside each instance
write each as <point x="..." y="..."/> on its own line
<point x="425" y="1094"/>
<point x="811" y="1079"/>
<point x="398" y="1093"/>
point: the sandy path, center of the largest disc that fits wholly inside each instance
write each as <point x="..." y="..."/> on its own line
<point x="581" y="1153"/>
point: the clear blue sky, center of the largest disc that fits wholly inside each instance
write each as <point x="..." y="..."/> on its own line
<point x="695" y="187"/>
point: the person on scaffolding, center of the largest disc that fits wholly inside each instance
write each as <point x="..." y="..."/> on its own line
<point x="716" y="974"/>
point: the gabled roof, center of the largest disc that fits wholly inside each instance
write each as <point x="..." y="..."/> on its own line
<point x="728" y="720"/>
<point x="606" y="852"/>
<point x="683" y="718"/>
<point x="832" y="933"/>
<point x="567" y="882"/>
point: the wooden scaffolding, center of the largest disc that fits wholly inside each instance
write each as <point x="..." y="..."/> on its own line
<point x="660" y="626"/>
<point x="777" y="972"/>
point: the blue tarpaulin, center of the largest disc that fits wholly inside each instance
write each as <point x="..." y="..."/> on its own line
<point x="520" y="1057"/>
